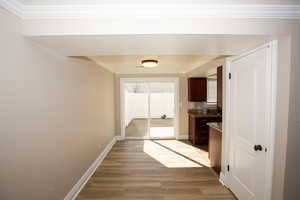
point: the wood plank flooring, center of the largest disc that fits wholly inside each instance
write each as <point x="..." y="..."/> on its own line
<point x="138" y="127"/>
<point x="146" y="170"/>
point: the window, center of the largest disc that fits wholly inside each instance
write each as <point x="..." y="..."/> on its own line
<point x="211" y="91"/>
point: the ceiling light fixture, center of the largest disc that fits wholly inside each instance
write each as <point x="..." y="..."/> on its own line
<point x="149" y="63"/>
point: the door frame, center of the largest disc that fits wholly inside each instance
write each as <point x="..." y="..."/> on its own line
<point x="272" y="65"/>
<point x="174" y="80"/>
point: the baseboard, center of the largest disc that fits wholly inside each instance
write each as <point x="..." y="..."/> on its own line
<point x="118" y="137"/>
<point x="182" y="137"/>
<point x="87" y="175"/>
<point x="222" y="179"/>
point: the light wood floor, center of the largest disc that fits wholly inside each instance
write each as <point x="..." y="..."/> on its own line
<point x="138" y="127"/>
<point x="153" y="170"/>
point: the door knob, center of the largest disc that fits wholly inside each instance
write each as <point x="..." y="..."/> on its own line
<point x="258" y="147"/>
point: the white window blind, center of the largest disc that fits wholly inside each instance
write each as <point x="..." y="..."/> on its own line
<point x="211" y="91"/>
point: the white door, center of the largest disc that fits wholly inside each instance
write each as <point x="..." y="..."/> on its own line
<point x="250" y="100"/>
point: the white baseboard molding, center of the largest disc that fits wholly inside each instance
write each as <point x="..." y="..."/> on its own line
<point x="222" y="179"/>
<point x="119" y="137"/>
<point x="182" y="137"/>
<point x="87" y="175"/>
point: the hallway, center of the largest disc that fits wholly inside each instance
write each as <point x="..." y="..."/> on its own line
<point x="154" y="169"/>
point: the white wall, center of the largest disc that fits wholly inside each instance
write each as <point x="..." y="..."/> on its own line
<point x="207" y="69"/>
<point x="57" y="115"/>
<point x="291" y="188"/>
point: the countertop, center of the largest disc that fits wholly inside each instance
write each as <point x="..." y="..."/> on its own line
<point x="203" y="115"/>
<point x="216" y="125"/>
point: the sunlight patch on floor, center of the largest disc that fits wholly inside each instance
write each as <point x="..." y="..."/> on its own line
<point x="167" y="157"/>
<point x="162" y="132"/>
<point x="193" y="153"/>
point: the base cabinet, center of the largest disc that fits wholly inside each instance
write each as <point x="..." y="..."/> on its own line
<point x="198" y="129"/>
<point x="215" y="149"/>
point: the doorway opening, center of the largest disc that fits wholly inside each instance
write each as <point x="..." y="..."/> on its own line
<point x="149" y="108"/>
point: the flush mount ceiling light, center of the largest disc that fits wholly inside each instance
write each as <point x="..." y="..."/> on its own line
<point x="149" y="63"/>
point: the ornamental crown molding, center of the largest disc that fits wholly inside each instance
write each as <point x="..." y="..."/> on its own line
<point x="120" y="11"/>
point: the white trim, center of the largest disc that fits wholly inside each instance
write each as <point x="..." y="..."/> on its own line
<point x="272" y="126"/>
<point x="147" y="138"/>
<point x="150" y="73"/>
<point x="13" y="6"/>
<point x="122" y="108"/>
<point x="151" y="10"/>
<point x="222" y="179"/>
<point x="151" y="79"/>
<point x="89" y="172"/>
<point x="225" y="127"/>
<point x="136" y="138"/>
<point x="182" y="137"/>
<point x="272" y="66"/>
<point x="118" y="138"/>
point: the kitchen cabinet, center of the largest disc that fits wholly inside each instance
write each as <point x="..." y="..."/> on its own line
<point x="197" y="89"/>
<point x="219" y="87"/>
<point x="198" y="128"/>
<point x="215" y="146"/>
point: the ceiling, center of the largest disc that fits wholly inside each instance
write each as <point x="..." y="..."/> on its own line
<point x="82" y="2"/>
<point x="167" y="63"/>
<point x="95" y="45"/>
<point x="175" y="53"/>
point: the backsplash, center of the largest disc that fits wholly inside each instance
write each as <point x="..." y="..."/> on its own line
<point x="202" y="106"/>
<point x="197" y="105"/>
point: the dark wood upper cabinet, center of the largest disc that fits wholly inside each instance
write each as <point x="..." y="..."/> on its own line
<point x="219" y="87"/>
<point x="197" y="89"/>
